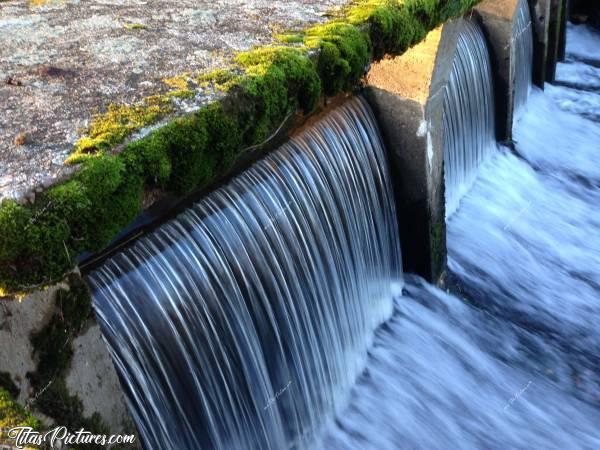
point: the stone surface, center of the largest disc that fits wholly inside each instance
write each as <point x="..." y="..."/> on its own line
<point x="62" y="61"/>
<point x="18" y="319"/>
<point x="92" y="375"/>
<point x="93" y="378"/>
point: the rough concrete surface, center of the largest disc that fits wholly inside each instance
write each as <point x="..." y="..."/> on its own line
<point x="18" y="319"/>
<point x="62" y="61"/>
<point x="93" y="378"/>
<point x="92" y="375"/>
<point x="409" y="113"/>
<point x="497" y="19"/>
<point x="408" y="75"/>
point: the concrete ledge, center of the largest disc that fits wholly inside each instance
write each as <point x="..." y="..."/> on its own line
<point x="125" y="163"/>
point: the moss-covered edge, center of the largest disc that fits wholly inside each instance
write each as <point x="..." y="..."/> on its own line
<point x="39" y="242"/>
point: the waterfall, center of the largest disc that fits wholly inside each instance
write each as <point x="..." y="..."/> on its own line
<point x="468" y="117"/>
<point x="511" y="361"/>
<point x="523" y="57"/>
<point x="241" y="323"/>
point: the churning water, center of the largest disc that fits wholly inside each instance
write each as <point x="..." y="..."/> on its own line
<point x="517" y="366"/>
<point x="241" y="324"/>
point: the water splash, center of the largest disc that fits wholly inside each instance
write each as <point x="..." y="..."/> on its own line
<point x="517" y="365"/>
<point x="241" y="323"/>
<point x="582" y="44"/>
<point x="444" y="375"/>
<point x="468" y="117"/>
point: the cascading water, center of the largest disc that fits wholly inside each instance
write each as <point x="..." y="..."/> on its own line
<point x="468" y="114"/>
<point x="522" y="48"/>
<point x="517" y="365"/>
<point x="240" y="324"/>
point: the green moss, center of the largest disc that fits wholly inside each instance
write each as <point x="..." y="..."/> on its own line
<point x="12" y="414"/>
<point x="277" y="81"/>
<point x="8" y="384"/>
<point x="290" y="38"/>
<point x="220" y="79"/>
<point x="119" y="121"/>
<point x="85" y="213"/>
<point x="344" y="54"/>
<point x="39" y="242"/>
<point x="135" y="26"/>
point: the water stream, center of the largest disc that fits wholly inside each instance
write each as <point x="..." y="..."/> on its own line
<point x="243" y="323"/>
<point x="512" y="360"/>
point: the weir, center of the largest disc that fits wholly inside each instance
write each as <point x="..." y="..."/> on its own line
<point x="240" y="323"/>
<point x="244" y="321"/>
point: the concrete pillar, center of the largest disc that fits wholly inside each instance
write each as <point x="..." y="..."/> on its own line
<point x="562" y="38"/>
<point x="406" y="94"/>
<point x="540" y="16"/>
<point x="554" y="37"/>
<point x="497" y="18"/>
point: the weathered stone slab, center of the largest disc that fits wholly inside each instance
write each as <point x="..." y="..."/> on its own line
<point x="61" y="61"/>
<point x="93" y="379"/>
<point x="91" y="375"/>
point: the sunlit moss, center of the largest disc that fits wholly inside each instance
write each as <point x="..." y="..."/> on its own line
<point x="178" y="82"/>
<point x="135" y="26"/>
<point x="39" y="242"/>
<point x="13" y="414"/>
<point x="220" y="79"/>
<point x="118" y="122"/>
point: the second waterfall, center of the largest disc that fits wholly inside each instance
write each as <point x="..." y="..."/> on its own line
<point x="242" y="323"/>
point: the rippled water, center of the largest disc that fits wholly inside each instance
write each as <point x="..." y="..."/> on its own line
<point x="515" y="363"/>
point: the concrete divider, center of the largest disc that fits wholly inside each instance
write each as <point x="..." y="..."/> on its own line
<point x="540" y="16"/>
<point x="556" y="38"/>
<point x="406" y="94"/>
<point x="497" y="19"/>
<point x="562" y="38"/>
